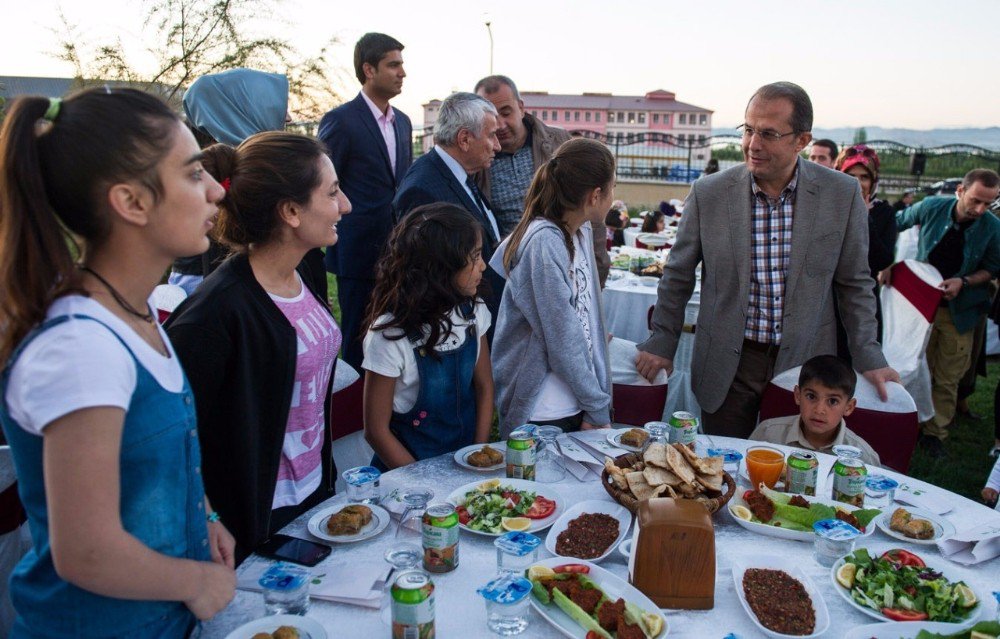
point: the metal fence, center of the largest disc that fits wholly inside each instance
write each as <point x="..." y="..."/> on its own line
<point x="663" y="157"/>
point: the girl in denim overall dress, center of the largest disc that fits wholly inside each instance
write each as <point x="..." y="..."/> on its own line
<point x="95" y="406"/>
<point x="428" y="389"/>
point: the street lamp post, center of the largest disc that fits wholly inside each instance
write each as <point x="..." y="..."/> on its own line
<point x="490" y="32"/>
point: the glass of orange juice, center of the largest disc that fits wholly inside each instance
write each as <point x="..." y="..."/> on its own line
<point x="764" y="465"/>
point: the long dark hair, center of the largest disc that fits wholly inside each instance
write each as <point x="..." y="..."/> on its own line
<point x="56" y="162"/>
<point x="414" y="282"/>
<point x="577" y="167"/>
<point x="265" y="171"/>
<point x="650" y="221"/>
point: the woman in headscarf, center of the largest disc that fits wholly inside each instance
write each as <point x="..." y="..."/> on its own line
<point x="862" y="162"/>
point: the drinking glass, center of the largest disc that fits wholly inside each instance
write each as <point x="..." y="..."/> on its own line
<point x="363" y="484"/>
<point x="657" y="431"/>
<point x="764" y="465"/>
<point x="507" y="604"/>
<point x="549" y="467"/>
<point x="880" y="491"/>
<point x="286" y="589"/>
<point x="407" y="548"/>
<point x="731" y="459"/>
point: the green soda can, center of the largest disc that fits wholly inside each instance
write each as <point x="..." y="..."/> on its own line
<point x="521" y="449"/>
<point x="849" y="476"/>
<point x="440" y="538"/>
<point x="413" y="606"/>
<point x="801" y="473"/>
<point x="683" y="428"/>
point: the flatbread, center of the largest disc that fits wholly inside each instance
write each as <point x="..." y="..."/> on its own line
<point x="689" y="490"/>
<point x="696" y="462"/>
<point x="656" y="476"/>
<point x="616" y="474"/>
<point x="711" y="482"/>
<point x="713" y="466"/>
<point x="656" y="454"/>
<point x="679" y="465"/>
<point x="639" y="486"/>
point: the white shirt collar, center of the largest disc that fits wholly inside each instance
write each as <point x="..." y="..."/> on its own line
<point x="453" y="164"/>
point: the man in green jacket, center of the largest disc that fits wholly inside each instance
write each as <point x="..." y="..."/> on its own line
<point x="961" y="239"/>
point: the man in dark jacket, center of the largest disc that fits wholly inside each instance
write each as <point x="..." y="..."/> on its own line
<point x="525" y="144"/>
<point x="369" y="143"/>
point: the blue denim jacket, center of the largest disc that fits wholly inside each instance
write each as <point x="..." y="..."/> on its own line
<point x="162" y="505"/>
<point x="982" y="251"/>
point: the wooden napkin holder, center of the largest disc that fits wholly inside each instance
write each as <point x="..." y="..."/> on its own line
<point x="673" y="554"/>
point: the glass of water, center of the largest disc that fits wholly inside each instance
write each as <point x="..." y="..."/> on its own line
<point x="506" y="604"/>
<point x="363" y="484"/>
<point x="286" y="589"/>
<point x="880" y="491"/>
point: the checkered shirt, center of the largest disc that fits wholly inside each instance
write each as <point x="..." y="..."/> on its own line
<point x="510" y="177"/>
<point x="770" y="252"/>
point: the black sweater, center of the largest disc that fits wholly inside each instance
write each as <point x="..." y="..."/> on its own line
<point x="239" y="353"/>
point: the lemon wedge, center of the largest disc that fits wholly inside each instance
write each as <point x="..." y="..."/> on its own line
<point x="540" y="572"/>
<point x="488" y="485"/>
<point x="653" y="623"/>
<point x="845" y="575"/>
<point x="515" y="523"/>
<point x="742" y="512"/>
<point x="966" y="598"/>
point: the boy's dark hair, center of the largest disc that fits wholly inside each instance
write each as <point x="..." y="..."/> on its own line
<point x="830" y="371"/>
<point x="614" y="219"/>
<point x="371" y="48"/>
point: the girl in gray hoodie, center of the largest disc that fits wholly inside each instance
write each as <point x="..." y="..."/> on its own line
<point x="550" y="355"/>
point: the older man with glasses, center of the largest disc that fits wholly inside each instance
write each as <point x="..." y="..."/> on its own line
<point x="778" y="237"/>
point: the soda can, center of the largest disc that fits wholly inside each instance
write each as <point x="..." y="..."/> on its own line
<point x="521" y="454"/>
<point x="683" y="428"/>
<point x="849" y="476"/>
<point x="801" y="473"/>
<point x="440" y="538"/>
<point x="412" y="606"/>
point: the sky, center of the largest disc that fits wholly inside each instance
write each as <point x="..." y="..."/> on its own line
<point x="917" y="64"/>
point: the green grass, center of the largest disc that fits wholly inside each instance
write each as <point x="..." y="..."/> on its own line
<point x="331" y="295"/>
<point x="965" y="465"/>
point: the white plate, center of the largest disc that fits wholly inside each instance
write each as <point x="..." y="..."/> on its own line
<point x="307" y="626"/>
<point x="943" y="528"/>
<point x="652" y="239"/>
<point x="790" y="566"/>
<point x="614" y="587"/>
<point x="463" y="453"/>
<point x="785" y="533"/>
<point x="317" y="525"/>
<point x="946" y="571"/>
<point x="617" y="511"/>
<point x="649" y="281"/>
<point x="457" y="498"/>
<point x="901" y="629"/>
<point x="615" y="439"/>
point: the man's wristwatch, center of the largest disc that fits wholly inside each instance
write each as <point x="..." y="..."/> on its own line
<point x="965" y="282"/>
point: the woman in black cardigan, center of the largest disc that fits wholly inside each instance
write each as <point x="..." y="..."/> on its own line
<point x="258" y="345"/>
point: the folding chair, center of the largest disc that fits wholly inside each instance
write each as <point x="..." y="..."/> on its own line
<point x="347" y="421"/>
<point x="636" y="405"/>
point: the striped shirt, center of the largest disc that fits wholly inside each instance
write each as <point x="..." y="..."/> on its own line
<point x="770" y="252"/>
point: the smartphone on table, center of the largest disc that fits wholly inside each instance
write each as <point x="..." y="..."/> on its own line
<point x="295" y="550"/>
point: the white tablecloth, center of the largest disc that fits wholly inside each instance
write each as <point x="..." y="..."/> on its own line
<point x="460" y="611"/>
<point x="626" y="308"/>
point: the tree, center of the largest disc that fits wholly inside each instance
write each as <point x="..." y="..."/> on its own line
<point x="860" y="136"/>
<point x="191" y="38"/>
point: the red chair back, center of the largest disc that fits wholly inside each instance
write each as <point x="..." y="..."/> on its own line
<point x="640" y="245"/>
<point x="892" y="435"/>
<point x="347" y="410"/>
<point x="636" y="405"/>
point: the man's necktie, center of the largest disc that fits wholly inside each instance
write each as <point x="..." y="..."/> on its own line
<point x="477" y="196"/>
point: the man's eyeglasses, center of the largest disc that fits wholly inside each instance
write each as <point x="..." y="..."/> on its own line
<point x="767" y="135"/>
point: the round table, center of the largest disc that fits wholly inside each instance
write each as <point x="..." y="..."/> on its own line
<point x="460" y="610"/>
<point x="626" y="304"/>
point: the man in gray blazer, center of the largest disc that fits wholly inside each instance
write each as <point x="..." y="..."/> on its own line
<point x="777" y="238"/>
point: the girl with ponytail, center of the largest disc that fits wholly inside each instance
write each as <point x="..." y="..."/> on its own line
<point x="95" y="405"/>
<point x="259" y="343"/>
<point x="550" y="355"/>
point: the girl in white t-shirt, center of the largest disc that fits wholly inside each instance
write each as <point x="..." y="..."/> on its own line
<point x="429" y="389"/>
<point x="95" y="406"/>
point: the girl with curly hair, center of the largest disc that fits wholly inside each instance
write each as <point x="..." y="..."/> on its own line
<point x="429" y="389"/>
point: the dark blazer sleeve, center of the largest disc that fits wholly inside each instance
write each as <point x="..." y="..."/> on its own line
<point x="337" y="139"/>
<point x="882" y="235"/>
<point x="409" y="199"/>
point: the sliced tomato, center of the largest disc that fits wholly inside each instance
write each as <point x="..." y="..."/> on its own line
<point x="903" y="558"/>
<point x="897" y="614"/>
<point x="582" y="569"/>
<point x="512" y="495"/>
<point x="592" y="634"/>
<point x="463" y="515"/>
<point x="540" y="508"/>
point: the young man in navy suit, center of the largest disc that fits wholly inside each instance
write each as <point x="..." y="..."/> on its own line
<point x="370" y="146"/>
